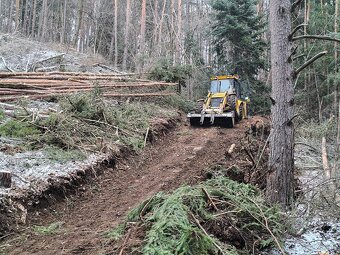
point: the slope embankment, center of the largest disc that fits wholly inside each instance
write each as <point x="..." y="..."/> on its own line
<point x="81" y="221"/>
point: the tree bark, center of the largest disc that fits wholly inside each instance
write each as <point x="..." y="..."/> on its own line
<point x="116" y="33"/>
<point x="281" y="160"/>
<point x="63" y="26"/>
<point x="336" y="54"/>
<point x="34" y="18"/>
<point x="127" y="32"/>
<point x="142" y="36"/>
<point x="80" y="22"/>
<point x="17" y="14"/>
<point x="179" y="32"/>
<point x="5" y="179"/>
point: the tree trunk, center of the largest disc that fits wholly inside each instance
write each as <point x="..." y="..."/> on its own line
<point x="336" y="55"/>
<point x="80" y="22"/>
<point x="9" y="24"/>
<point x="114" y="41"/>
<point x="116" y="33"/>
<point x="179" y="32"/>
<point x="160" y="35"/>
<point x="127" y="32"/>
<point x="5" y="179"/>
<point x="142" y="36"/>
<point x="281" y="160"/>
<point x="45" y="18"/>
<point x="34" y="18"/>
<point x="17" y="14"/>
<point x="63" y="26"/>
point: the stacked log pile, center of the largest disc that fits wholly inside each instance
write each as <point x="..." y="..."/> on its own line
<point x="39" y="85"/>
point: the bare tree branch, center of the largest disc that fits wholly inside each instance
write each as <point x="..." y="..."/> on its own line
<point x="6" y="66"/>
<point x="309" y="62"/>
<point x="299" y="56"/>
<point x="295" y="4"/>
<point x="290" y="37"/>
<point x="317" y="37"/>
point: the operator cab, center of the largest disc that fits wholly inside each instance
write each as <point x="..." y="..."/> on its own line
<point x="227" y="83"/>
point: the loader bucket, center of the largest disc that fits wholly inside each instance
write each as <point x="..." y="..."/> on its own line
<point x="205" y="119"/>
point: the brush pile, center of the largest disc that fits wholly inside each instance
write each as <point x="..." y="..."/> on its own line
<point x="219" y="216"/>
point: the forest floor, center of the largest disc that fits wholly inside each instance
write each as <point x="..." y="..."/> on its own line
<point x="78" y="224"/>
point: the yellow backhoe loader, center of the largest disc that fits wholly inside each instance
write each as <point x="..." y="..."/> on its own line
<point x="224" y="104"/>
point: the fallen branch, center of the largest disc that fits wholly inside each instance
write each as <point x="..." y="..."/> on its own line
<point x="209" y="198"/>
<point x="9" y="69"/>
<point x="146" y="137"/>
<point x="250" y="156"/>
<point x="125" y="242"/>
<point x="205" y="232"/>
<point x="266" y="225"/>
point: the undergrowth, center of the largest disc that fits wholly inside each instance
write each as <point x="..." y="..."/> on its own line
<point x="315" y="130"/>
<point x="2" y="114"/>
<point x="87" y="123"/>
<point x="185" y="222"/>
<point x="18" y="129"/>
<point x="61" y="156"/>
<point x="51" y="229"/>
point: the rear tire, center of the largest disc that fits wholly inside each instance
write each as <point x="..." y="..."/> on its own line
<point x="240" y="115"/>
<point x="231" y="100"/>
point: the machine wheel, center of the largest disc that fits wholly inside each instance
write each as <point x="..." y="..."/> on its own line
<point x="231" y="100"/>
<point x="240" y="115"/>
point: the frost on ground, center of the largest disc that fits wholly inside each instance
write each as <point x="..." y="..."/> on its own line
<point x="31" y="170"/>
<point x="316" y="226"/>
<point x="22" y="55"/>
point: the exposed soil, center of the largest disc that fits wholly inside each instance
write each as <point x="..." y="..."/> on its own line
<point x="173" y="160"/>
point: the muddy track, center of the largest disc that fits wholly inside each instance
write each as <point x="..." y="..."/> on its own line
<point x="174" y="160"/>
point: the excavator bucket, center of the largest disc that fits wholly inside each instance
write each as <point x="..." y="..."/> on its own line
<point x="206" y="119"/>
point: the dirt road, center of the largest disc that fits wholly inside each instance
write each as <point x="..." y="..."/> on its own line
<point x="174" y="160"/>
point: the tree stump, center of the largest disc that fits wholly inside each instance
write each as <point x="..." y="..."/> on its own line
<point x="5" y="179"/>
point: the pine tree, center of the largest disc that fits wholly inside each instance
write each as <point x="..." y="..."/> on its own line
<point x="237" y="35"/>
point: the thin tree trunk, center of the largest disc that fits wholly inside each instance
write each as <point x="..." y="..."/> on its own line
<point x="127" y="32"/>
<point x="179" y="32"/>
<point x="142" y="36"/>
<point x="9" y="24"/>
<point x="172" y="31"/>
<point x="17" y="14"/>
<point x="45" y="15"/>
<point x="336" y="54"/>
<point x="155" y="25"/>
<point x="281" y="160"/>
<point x="63" y="27"/>
<point x="25" y="27"/>
<point x="116" y="33"/>
<point x="80" y="22"/>
<point x="160" y="35"/>
<point x="34" y="18"/>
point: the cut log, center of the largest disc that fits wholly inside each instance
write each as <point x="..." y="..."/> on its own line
<point x="5" y="179"/>
<point x="231" y="149"/>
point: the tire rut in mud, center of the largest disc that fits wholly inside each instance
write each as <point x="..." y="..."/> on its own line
<point x="177" y="159"/>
